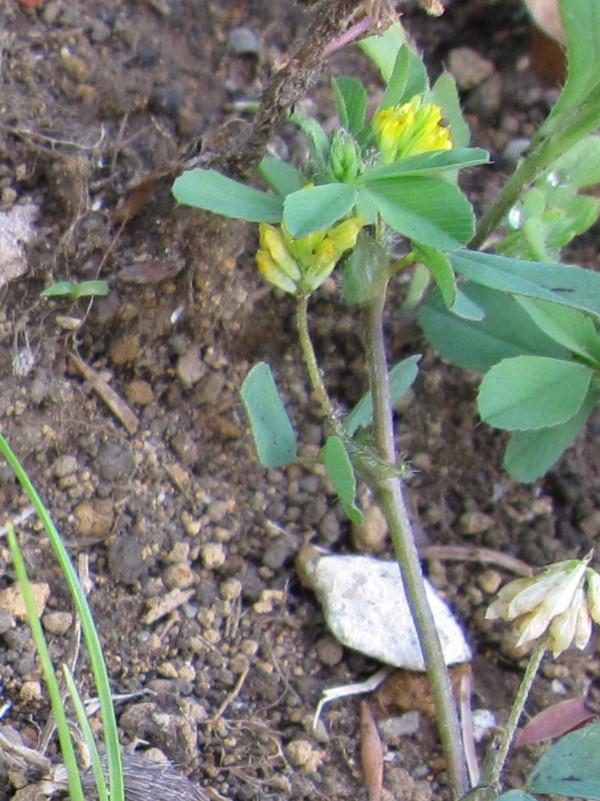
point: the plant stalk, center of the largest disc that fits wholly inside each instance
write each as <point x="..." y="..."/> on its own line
<point x="389" y="490"/>
<point x="312" y="366"/>
<point x="489" y="786"/>
<point x="554" y="138"/>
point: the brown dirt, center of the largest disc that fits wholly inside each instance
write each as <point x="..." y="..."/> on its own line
<point x="95" y="96"/>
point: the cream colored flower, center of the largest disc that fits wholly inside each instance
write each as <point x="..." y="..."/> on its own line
<point x="553" y="602"/>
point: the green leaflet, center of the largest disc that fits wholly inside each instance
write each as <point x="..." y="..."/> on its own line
<point x="274" y="436"/>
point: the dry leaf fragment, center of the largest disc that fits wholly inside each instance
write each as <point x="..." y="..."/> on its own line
<point x="547" y="17"/>
<point x="407" y="690"/>
<point x="371" y="752"/>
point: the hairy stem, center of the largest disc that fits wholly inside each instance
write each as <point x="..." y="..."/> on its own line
<point x="312" y="366"/>
<point x="389" y="490"/>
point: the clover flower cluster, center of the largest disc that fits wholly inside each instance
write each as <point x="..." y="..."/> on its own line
<point x="302" y="265"/>
<point x="561" y="601"/>
<point x="410" y="129"/>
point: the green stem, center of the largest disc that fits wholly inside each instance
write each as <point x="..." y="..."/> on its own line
<point x="312" y="366"/>
<point x="557" y="135"/>
<point x="497" y="755"/>
<point x="389" y="490"/>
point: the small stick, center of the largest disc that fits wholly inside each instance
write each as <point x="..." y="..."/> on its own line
<point x="17" y="520"/>
<point x="486" y="556"/>
<point x="106" y="393"/>
<point x="24" y="756"/>
<point x="233" y="694"/>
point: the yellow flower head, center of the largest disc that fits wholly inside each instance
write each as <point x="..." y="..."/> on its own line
<point x="302" y="265"/>
<point x="274" y="260"/>
<point x="554" y="603"/>
<point x="410" y="129"/>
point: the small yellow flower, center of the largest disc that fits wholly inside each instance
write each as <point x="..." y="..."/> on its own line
<point x="553" y="602"/>
<point x="410" y="129"/>
<point x="269" y="269"/>
<point x="302" y="265"/>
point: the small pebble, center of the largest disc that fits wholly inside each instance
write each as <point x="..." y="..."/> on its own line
<point x="330" y="651"/>
<point x="515" y="149"/>
<point x="95" y="518"/>
<point x="179" y="575"/>
<point x="187" y="672"/>
<point x="115" y="461"/>
<point x="57" y="622"/>
<point x="217" y="510"/>
<point x="7" y="621"/>
<point x="185" y="446"/>
<point x="239" y="663"/>
<point x="329" y="529"/>
<point x="126" y="560"/>
<point x="180" y="552"/>
<point x="468" y="67"/>
<point x="31" y="691"/>
<point x="490" y="581"/>
<point x="371" y="535"/>
<point x="11" y="599"/>
<point x="302" y="754"/>
<point x="9" y="195"/>
<point x="214" y="555"/>
<point x="422" y="791"/>
<point x="230" y="589"/>
<point x="190" y="367"/>
<point x="244" y="42"/>
<point x="484" y="722"/>
<point x="475" y="523"/>
<point x="99" y="32"/>
<point x="167" y="670"/>
<point x="65" y="465"/>
<point x="400" y="725"/>
<point x="268" y="600"/>
<point x="125" y="350"/>
<point x="249" y="647"/>
<point x="280" y="550"/>
<point x="139" y="393"/>
<point x="190" y="525"/>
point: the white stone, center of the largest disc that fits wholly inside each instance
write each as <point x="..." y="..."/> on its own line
<point x="365" y="607"/>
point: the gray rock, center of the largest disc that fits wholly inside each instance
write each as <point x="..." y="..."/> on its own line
<point x="366" y="608"/>
<point x="115" y="461"/>
<point x="244" y="42"/>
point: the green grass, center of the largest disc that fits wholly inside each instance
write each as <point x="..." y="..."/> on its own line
<point x="115" y="790"/>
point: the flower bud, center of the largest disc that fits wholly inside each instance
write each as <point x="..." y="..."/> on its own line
<point x="344" y="156"/>
<point x="269" y="269"/>
<point x="273" y="242"/>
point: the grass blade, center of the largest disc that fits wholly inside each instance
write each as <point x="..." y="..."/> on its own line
<point x="62" y="725"/>
<point x="111" y="738"/>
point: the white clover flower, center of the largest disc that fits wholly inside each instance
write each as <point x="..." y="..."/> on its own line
<point x="554" y="602"/>
<point x="593" y="594"/>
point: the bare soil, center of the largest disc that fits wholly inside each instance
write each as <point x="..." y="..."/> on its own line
<point x="166" y="496"/>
